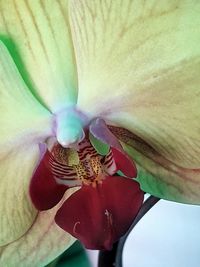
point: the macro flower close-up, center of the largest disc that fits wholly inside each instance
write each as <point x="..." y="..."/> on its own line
<point x="99" y="104"/>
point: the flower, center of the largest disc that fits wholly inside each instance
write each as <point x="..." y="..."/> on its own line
<point x="102" y="210"/>
<point x="133" y="64"/>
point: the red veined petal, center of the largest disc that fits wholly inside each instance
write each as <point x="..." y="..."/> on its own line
<point x="124" y="163"/>
<point x="45" y="192"/>
<point x="109" y="164"/>
<point x="99" y="216"/>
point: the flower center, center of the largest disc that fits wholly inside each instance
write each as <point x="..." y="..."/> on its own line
<point x="83" y="164"/>
<point x="89" y="170"/>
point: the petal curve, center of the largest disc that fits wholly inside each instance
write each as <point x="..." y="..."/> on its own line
<point x="16" y="211"/>
<point x="40" y="245"/>
<point x="45" y="192"/>
<point x="159" y="176"/>
<point x="21" y="115"/>
<point x="40" y="31"/>
<point x="124" y="163"/>
<point x="99" y="216"/>
<point x="21" y="119"/>
<point x="138" y="68"/>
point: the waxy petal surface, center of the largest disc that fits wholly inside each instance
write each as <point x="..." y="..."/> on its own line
<point x="124" y="163"/>
<point x="41" y="244"/>
<point x="100" y="216"/>
<point x="139" y="63"/>
<point x="45" y="192"/>
<point x="16" y="210"/>
<point x="157" y="175"/>
<point x="40" y="33"/>
<point x="21" y="117"/>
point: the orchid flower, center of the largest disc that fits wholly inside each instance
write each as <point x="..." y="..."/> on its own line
<point x="87" y="88"/>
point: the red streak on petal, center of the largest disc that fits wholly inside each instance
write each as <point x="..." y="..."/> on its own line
<point x="124" y="163"/>
<point x="99" y="216"/>
<point x="44" y="191"/>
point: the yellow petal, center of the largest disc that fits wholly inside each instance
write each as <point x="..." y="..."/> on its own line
<point x="159" y="176"/>
<point x="24" y="123"/>
<point x="139" y="67"/>
<point x="21" y="115"/>
<point x="43" y="242"/>
<point x="16" y="210"/>
<point x="39" y="36"/>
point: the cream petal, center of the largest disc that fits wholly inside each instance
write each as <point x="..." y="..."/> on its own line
<point x="39" y="35"/>
<point x="42" y="243"/>
<point x="21" y="115"/>
<point x="164" y="179"/>
<point x="168" y="121"/>
<point x="157" y="175"/>
<point x="16" y="210"/>
<point x="24" y="123"/>
<point x="138" y="67"/>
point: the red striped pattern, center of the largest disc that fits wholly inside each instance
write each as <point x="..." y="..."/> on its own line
<point x="91" y="164"/>
<point x="109" y="163"/>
